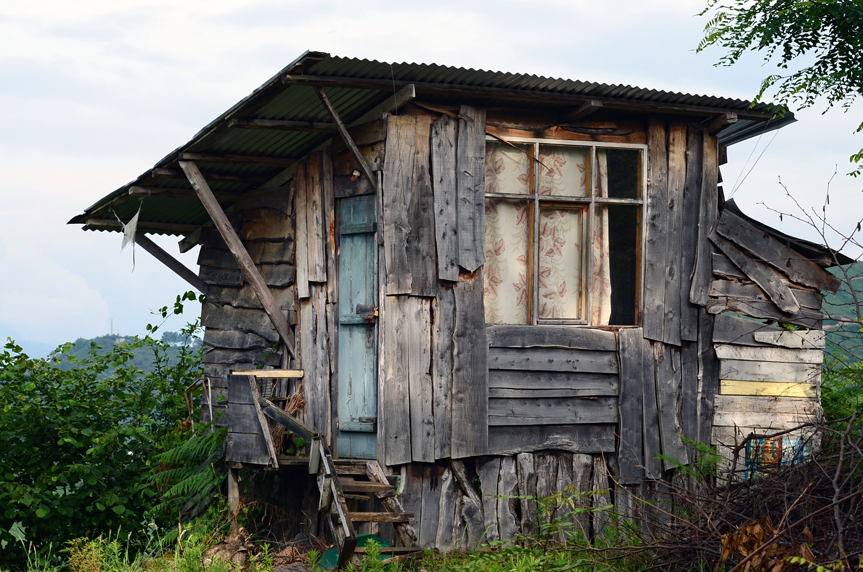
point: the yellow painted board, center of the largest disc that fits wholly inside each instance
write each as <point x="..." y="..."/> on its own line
<point x="771" y="388"/>
<point x="270" y="373"/>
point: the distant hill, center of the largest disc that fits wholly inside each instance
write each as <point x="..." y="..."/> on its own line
<point x="144" y="356"/>
<point x="846" y="339"/>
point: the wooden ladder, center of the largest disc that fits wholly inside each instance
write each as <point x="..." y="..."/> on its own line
<point x="338" y="478"/>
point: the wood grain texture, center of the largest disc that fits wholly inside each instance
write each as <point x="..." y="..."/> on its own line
<point x="671" y="323"/>
<point x="470" y="370"/>
<point x="231" y="339"/>
<point x="512" y="439"/>
<point x="395" y="392"/>
<point x="582" y="469"/>
<point x="526" y="471"/>
<point x="781" y="256"/>
<point x="450" y="516"/>
<point x="568" y="383"/>
<point x="266" y="225"/>
<point x="769" y="371"/>
<point x="552" y="359"/>
<point x="689" y="388"/>
<point x="314" y="359"/>
<point x="443" y="164"/>
<point x="669" y="393"/>
<point x="246" y="448"/>
<point x="775" y="389"/>
<point x="430" y="515"/>
<point x="442" y="363"/>
<point x="488" y="472"/>
<point x="601" y="495"/>
<point x="551" y="337"/>
<point x="785" y="355"/>
<point x="318" y="235"/>
<point x="776" y="421"/>
<point x="707" y="213"/>
<point x="739" y="331"/>
<point x="723" y="267"/>
<point x="418" y="356"/>
<point x="397" y="190"/>
<point x="801" y="339"/>
<point x="507" y="486"/>
<point x="301" y="210"/>
<point x="766" y="311"/>
<point x="552" y="411"/>
<point x="471" y="506"/>
<point x="656" y="246"/>
<point x="330" y="239"/>
<point x="245" y="297"/>
<point x="809" y="299"/>
<point x="651" y="419"/>
<point x="691" y="207"/>
<point x="470" y="188"/>
<point x="769" y="280"/>
<point x="631" y="405"/>
<point x="421" y="240"/>
<point x="749" y="404"/>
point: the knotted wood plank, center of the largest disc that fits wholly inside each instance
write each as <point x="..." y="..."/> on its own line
<point x="691" y="205"/>
<point x="631" y="405"/>
<point x="656" y="247"/>
<point x="470" y="188"/>
<point x="707" y="213"/>
<point x="443" y="163"/>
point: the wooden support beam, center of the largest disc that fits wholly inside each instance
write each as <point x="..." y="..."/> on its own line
<point x="392" y="103"/>
<point x="235" y="245"/>
<point x="583" y="111"/>
<point x="244" y="180"/>
<point x="239" y="159"/>
<point x="271" y="373"/>
<point x="511" y="94"/>
<point x="721" y="121"/>
<point x="293" y="425"/>
<point x="166" y="227"/>
<point x="280" y="125"/>
<point x="178" y="267"/>
<point x="137" y="191"/>
<point x="347" y="138"/>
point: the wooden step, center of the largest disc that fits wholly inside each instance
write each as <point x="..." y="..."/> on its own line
<point x="364" y="487"/>
<point x="381" y="516"/>
<point x="350" y="467"/>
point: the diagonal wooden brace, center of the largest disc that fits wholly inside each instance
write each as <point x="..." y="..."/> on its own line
<point x="239" y="251"/>
<point x="347" y="138"/>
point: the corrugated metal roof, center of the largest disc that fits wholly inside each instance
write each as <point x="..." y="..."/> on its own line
<point x="355" y="86"/>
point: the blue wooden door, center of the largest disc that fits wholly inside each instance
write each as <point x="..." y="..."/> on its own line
<point x="357" y="401"/>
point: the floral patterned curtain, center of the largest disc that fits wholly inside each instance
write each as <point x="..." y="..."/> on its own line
<point x="600" y="286"/>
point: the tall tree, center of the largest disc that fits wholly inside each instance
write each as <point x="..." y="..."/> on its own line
<point x="817" y="46"/>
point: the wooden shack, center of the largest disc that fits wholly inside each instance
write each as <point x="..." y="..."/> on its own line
<point x="469" y="276"/>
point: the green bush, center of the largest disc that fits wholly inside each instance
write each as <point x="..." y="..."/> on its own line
<point x="81" y="446"/>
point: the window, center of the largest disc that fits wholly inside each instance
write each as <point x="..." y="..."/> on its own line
<point x="562" y="232"/>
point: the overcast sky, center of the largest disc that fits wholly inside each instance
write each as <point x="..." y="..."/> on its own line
<point x="94" y="92"/>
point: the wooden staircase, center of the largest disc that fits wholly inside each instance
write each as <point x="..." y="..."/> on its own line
<point x="344" y="481"/>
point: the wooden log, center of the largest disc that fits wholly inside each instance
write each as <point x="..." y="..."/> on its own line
<point x="471" y="506"/>
<point x="785" y="355"/>
<point x="470" y="188"/>
<point x="777" y="389"/>
<point x="689" y="252"/>
<point x="669" y="393"/>
<point x="442" y="364"/>
<point x="631" y="405"/>
<point x="671" y="324"/>
<point x="769" y="280"/>
<point x="553" y="411"/>
<point x="601" y="495"/>
<point x="431" y="492"/>
<point x="769" y="371"/>
<point x="470" y="370"/>
<point x="801" y="339"/>
<point x="443" y="165"/>
<point x="765" y="310"/>
<point x="418" y="356"/>
<point x="651" y="418"/>
<point x="739" y="331"/>
<point x="236" y="247"/>
<point x="726" y="288"/>
<point x="707" y="214"/>
<point x="512" y="439"/>
<point x="488" y="472"/>
<point x="656" y="246"/>
<point x="301" y="208"/>
<point x="449" y="516"/>
<point x="395" y="394"/>
<point x="507" y="486"/>
<point x="175" y="265"/>
<point x="526" y="471"/>
<point x="513" y="383"/>
<point x="551" y="337"/>
<point x="781" y="256"/>
<point x="543" y="359"/>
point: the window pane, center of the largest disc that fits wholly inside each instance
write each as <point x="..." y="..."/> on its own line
<point x="507" y="170"/>
<point x="563" y="171"/>
<point x="505" y="272"/>
<point x="623" y="235"/>
<point x="560" y="235"/>
<point x="618" y="173"/>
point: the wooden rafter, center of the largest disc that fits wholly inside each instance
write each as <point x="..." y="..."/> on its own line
<point x="178" y="193"/>
<point x="239" y="159"/>
<point x="391" y="104"/>
<point x="282" y="125"/>
<point x="178" y="267"/>
<point x="347" y="138"/>
<point x="235" y="245"/>
<point x="582" y="111"/>
<point x="721" y="121"/>
<point x="143" y="226"/>
<point x="160" y="173"/>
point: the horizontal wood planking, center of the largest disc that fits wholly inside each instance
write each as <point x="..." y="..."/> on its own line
<point x="246" y="448"/>
<point x="257" y="356"/>
<point x="238" y="319"/>
<point x="552" y="359"/>
<point x="232" y="339"/>
<point x="245" y="297"/>
<point x="266" y="224"/>
<point x="551" y="337"/>
<point x="783" y="355"/>
<point x="807" y="298"/>
<point x="814" y="339"/>
<point x="768" y="371"/>
<point x="552" y="411"/>
<point x="585" y="383"/>
<point x="776" y="421"/>
<point x="722" y="266"/>
<point x="778" y="389"/>
<point x="278" y="275"/>
<point x="607" y="390"/>
<point x="750" y="404"/>
<point x="766" y="311"/>
<point x="512" y="439"/>
<point x="739" y="331"/>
